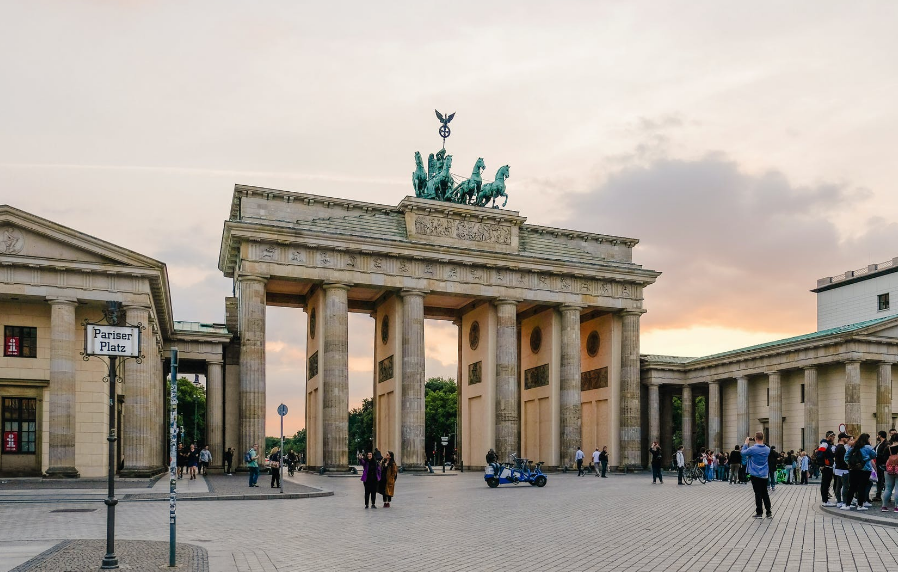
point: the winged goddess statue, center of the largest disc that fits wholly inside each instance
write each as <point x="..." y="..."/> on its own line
<point x="444" y="128"/>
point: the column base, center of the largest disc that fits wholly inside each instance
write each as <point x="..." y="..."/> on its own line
<point x="142" y="472"/>
<point x="415" y="468"/>
<point x="62" y="473"/>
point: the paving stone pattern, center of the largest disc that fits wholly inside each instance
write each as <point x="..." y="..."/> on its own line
<point x="133" y="555"/>
<point x="622" y="523"/>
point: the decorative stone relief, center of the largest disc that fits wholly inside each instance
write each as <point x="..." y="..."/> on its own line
<point x="385" y="369"/>
<point x="312" y="323"/>
<point x="453" y="272"/>
<point x="378" y="262"/>
<point x="594" y="379"/>
<point x="475" y="372"/>
<point x="403" y="266"/>
<point x="324" y="258"/>
<point x="462" y="230"/>
<point x="428" y="269"/>
<point x="269" y="253"/>
<point x="476" y="274"/>
<point x="11" y="240"/>
<point x="605" y="289"/>
<point x="500" y="276"/>
<point x="584" y="286"/>
<point x="296" y="256"/>
<point x="565" y="283"/>
<point x="385" y="328"/>
<point x="625" y="291"/>
<point x="474" y="335"/>
<point x="313" y="366"/>
<point x="592" y="343"/>
<point x="543" y="281"/>
<point x="536" y="339"/>
<point x="536" y="376"/>
<point x="351" y="260"/>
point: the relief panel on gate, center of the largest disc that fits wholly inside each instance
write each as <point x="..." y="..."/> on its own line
<point x="536" y="376"/>
<point x="594" y="379"/>
<point x="385" y="369"/>
<point x="475" y="372"/>
<point x="313" y="365"/>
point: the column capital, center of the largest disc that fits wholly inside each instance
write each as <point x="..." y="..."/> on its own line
<point x="412" y="292"/>
<point x="214" y="362"/>
<point x="885" y="362"/>
<point x="809" y="367"/>
<point x="633" y="312"/>
<point x="852" y="361"/>
<point x="738" y="377"/>
<point x="136" y="306"/>
<point x="335" y="286"/>
<point x="252" y="278"/>
<point x="772" y="372"/>
<point x="61" y="301"/>
<point x="714" y="382"/>
<point x="571" y="307"/>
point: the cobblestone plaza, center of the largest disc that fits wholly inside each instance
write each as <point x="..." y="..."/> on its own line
<point x="456" y="522"/>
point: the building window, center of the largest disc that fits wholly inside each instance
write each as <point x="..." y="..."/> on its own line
<point x="882" y="302"/>
<point x="19" y="341"/>
<point x="768" y="397"/>
<point x="19" y="425"/>
<point x="803" y="446"/>
<point x="802" y="395"/>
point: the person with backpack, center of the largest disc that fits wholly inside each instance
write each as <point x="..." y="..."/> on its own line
<point x="859" y="456"/>
<point x="755" y="458"/>
<point x="251" y="458"/>
<point x="826" y="456"/>
<point x="891" y="475"/>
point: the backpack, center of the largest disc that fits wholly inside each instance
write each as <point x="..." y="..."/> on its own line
<point x="892" y="464"/>
<point x="855" y="459"/>
<point x="247" y="458"/>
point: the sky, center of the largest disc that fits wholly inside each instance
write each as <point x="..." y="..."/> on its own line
<point x="748" y="146"/>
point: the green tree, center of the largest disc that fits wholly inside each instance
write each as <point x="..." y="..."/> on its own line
<point x="701" y="423"/>
<point x="440" y="414"/>
<point x="297" y="442"/>
<point x="191" y="411"/>
<point x="361" y="428"/>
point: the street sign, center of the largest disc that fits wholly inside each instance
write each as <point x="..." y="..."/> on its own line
<point x="282" y="409"/>
<point x="122" y="341"/>
<point x="445" y="440"/>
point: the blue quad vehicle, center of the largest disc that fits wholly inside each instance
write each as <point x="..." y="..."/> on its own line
<point x="518" y="471"/>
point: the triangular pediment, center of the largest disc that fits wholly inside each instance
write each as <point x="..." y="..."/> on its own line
<point x="28" y="237"/>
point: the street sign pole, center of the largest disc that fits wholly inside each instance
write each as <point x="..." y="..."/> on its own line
<point x="173" y="459"/>
<point x="110" y="560"/>
<point x="282" y="411"/>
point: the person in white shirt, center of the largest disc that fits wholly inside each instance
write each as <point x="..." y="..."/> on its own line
<point x="596" y="461"/>
<point x="579" y="458"/>
<point x="681" y="464"/>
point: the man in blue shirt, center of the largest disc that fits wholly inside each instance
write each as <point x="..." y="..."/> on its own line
<point x="755" y="460"/>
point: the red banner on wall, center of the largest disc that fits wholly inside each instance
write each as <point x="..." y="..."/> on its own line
<point x="12" y="345"/>
<point x="10" y="441"/>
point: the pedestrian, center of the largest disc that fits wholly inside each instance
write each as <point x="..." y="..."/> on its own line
<point x="252" y="463"/>
<point x="229" y="460"/>
<point x="805" y="470"/>
<point x="826" y="457"/>
<point x="182" y="459"/>
<point x="882" y="455"/>
<point x="890" y="468"/>
<point x="735" y="460"/>
<point x="756" y="459"/>
<point x="370" y="477"/>
<point x="388" y="471"/>
<point x="721" y="466"/>
<point x="655" y="452"/>
<point x="840" y="470"/>
<point x="205" y="459"/>
<point x="789" y="463"/>
<point x="603" y="458"/>
<point x="193" y="460"/>
<point x="681" y="464"/>
<point x="859" y="456"/>
<point x="274" y="467"/>
<point x="579" y="458"/>
<point x="596" y="461"/>
<point x="492" y="459"/>
<point x="772" y="463"/>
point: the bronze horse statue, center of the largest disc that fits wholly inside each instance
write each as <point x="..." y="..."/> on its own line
<point x="467" y="190"/>
<point x="491" y="191"/>
<point x="440" y="184"/>
<point x="419" y="177"/>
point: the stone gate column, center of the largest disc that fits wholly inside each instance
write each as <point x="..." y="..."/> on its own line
<point x="251" y="310"/>
<point x="853" y="397"/>
<point x="412" y="410"/>
<point x="654" y="414"/>
<point x="714" y="436"/>
<point x="215" y="412"/>
<point x="508" y="415"/>
<point x="742" y="426"/>
<point x="138" y="445"/>
<point x="688" y="418"/>
<point x="335" y="376"/>
<point x="630" y="414"/>
<point x="811" y="411"/>
<point x="884" y="397"/>
<point x="63" y="354"/>
<point x="775" y="410"/>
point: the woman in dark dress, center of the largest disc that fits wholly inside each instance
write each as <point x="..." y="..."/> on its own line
<point x="274" y="465"/>
<point x="193" y="461"/>
<point x="370" y="477"/>
<point x="182" y="460"/>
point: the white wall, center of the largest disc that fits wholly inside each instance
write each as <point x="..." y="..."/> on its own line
<point x="856" y="302"/>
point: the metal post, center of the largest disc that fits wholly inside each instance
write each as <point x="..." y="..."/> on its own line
<point x="110" y="561"/>
<point x="173" y="459"/>
<point x="281" y="463"/>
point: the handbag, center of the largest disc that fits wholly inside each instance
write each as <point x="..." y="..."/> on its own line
<point x="273" y="465"/>
<point x="873" y="476"/>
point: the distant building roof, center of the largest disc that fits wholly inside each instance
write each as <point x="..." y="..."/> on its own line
<point x="852" y="276"/>
<point x="201" y="328"/>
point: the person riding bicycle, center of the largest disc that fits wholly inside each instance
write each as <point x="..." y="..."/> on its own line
<point x="292" y="460"/>
<point x="492" y="459"/>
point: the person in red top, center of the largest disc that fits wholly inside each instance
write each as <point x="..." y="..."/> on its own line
<point x="825" y="459"/>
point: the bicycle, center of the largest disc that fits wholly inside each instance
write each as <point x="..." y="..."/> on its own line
<point x="694" y="472"/>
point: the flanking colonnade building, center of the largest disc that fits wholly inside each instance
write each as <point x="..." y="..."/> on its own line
<point x="795" y="389"/>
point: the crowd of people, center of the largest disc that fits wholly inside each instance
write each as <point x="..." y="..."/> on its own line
<point x="193" y="461"/>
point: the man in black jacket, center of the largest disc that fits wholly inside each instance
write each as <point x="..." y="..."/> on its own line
<point x="840" y="470"/>
<point x="735" y="460"/>
<point x="825" y="457"/>
<point x="882" y="455"/>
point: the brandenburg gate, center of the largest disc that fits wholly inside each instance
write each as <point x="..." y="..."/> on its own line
<point x="548" y="323"/>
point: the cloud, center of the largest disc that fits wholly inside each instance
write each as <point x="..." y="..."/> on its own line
<point x="737" y="250"/>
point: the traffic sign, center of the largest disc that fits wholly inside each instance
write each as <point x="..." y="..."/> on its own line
<point x="282" y="409"/>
